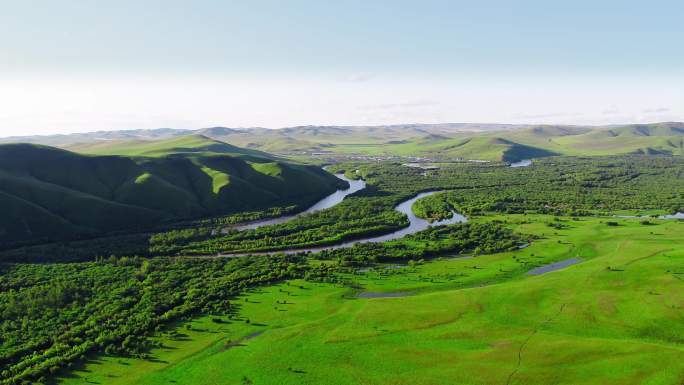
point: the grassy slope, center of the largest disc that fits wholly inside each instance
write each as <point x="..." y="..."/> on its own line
<point x="538" y="141"/>
<point x="469" y="321"/>
<point x="493" y="148"/>
<point x="647" y="140"/>
<point x="51" y="193"/>
<point x="295" y="139"/>
<point x="664" y="138"/>
<point x="192" y="144"/>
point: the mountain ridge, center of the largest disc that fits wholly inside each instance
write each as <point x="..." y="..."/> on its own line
<point x="402" y="139"/>
<point x="47" y="193"/>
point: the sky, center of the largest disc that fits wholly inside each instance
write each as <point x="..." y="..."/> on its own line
<point x="78" y="66"/>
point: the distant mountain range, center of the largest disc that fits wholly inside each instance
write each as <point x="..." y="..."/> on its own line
<point x="508" y="142"/>
<point x="379" y="132"/>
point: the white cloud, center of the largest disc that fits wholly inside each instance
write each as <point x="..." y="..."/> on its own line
<point x="409" y="104"/>
<point x="550" y="115"/>
<point x="358" y="78"/>
<point x="656" y="110"/>
<point x="612" y="110"/>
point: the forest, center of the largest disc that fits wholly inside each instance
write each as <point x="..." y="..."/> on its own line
<point x="560" y="185"/>
<point x="55" y="315"/>
<point x="120" y="290"/>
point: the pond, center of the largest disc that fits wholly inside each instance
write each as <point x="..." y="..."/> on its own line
<point x="554" y="266"/>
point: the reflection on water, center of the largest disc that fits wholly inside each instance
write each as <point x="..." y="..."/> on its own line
<point x="325" y="203"/>
<point x="522" y="163"/>
<point x="672" y="216"/>
<point x="667" y="216"/>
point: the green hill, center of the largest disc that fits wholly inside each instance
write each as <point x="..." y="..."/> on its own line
<point x="191" y="144"/>
<point x="541" y="141"/>
<point x="485" y="142"/>
<point x="502" y="143"/>
<point x="476" y="147"/>
<point x="657" y="139"/>
<point x="53" y="194"/>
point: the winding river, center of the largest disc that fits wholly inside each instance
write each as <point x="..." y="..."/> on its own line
<point x="416" y="224"/>
<point x="325" y="203"/>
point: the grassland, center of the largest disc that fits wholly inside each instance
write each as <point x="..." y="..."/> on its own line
<point x="534" y="142"/>
<point x="493" y="142"/>
<point x="191" y="144"/>
<point x="477" y="318"/>
<point x="499" y="144"/>
<point x="614" y="318"/>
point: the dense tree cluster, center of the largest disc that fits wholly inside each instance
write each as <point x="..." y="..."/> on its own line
<point x="562" y="185"/>
<point x="570" y="186"/>
<point x="162" y="242"/>
<point x="52" y="315"/>
<point x="476" y="238"/>
<point x="354" y="218"/>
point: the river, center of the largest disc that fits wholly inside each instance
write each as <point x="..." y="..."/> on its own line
<point x="325" y="203"/>
<point x="416" y="224"/>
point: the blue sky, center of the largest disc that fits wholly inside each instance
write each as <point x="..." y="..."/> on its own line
<point x="83" y="65"/>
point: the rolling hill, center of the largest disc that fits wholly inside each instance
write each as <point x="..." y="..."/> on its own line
<point x="259" y="136"/>
<point x="190" y="144"/>
<point x="52" y="194"/>
<point x="659" y="138"/>
<point x="476" y="148"/>
<point x="538" y="141"/>
<point x="500" y="142"/>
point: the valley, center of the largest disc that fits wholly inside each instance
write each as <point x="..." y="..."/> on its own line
<point x="446" y="272"/>
<point x="341" y="192"/>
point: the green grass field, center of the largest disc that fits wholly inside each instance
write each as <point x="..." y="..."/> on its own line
<point x="614" y="318"/>
<point x="536" y="142"/>
<point x="191" y="144"/>
<point x="509" y="145"/>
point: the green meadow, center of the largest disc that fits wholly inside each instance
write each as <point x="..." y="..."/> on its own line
<point x="614" y="318"/>
<point x="514" y="145"/>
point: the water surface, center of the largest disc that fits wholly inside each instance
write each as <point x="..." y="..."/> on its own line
<point x="390" y="294"/>
<point x="522" y="163"/>
<point x="554" y="266"/>
<point x="416" y="224"/>
<point x="672" y="216"/>
<point x="325" y="203"/>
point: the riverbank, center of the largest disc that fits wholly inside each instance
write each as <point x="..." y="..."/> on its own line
<point x="416" y="224"/>
<point x="483" y="311"/>
<point x="329" y="201"/>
